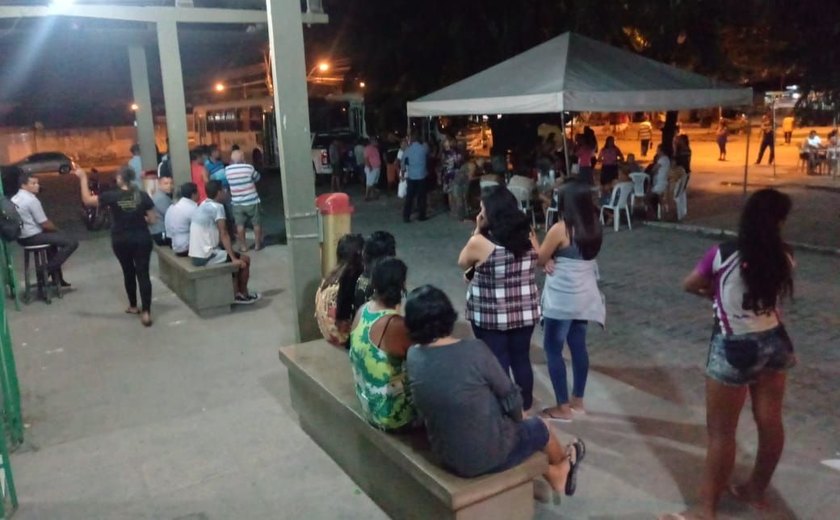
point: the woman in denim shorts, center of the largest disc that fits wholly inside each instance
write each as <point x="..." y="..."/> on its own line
<point x="750" y="350"/>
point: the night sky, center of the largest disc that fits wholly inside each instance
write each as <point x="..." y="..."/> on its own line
<point x="79" y="75"/>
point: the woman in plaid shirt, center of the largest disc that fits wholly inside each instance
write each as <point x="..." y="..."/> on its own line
<point x="502" y="297"/>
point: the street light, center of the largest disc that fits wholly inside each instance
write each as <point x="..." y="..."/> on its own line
<point x="135" y="107"/>
<point x="219" y="87"/>
<point x="321" y="67"/>
<point x="362" y="84"/>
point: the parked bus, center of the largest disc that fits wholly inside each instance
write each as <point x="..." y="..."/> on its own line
<point x="250" y="124"/>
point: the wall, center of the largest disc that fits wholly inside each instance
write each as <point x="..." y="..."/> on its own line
<point x="88" y="146"/>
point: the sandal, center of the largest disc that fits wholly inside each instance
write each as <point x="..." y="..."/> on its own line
<point x="146" y="319"/>
<point x="546" y="414"/>
<point x="571" y="479"/>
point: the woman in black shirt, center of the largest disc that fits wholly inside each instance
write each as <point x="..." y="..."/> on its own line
<point x="132" y="211"/>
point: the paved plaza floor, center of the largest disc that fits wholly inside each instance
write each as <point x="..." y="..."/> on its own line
<point x="191" y="419"/>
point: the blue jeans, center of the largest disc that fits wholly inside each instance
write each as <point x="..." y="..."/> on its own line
<point x="556" y="334"/>
<point x="513" y="350"/>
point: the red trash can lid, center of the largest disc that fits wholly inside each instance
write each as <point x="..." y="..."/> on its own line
<point x="334" y="204"/>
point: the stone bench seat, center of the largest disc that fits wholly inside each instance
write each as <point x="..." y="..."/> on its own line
<point x="207" y="290"/>
<point x="398" y="471"/>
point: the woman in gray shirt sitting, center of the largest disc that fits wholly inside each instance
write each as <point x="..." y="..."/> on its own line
<point x="472" y="410"/>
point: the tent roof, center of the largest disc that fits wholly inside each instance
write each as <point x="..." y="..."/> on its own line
<point x="572" y="72"/>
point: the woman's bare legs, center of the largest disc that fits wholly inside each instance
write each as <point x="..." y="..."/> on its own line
<point x="767" y="395"/>
<point x="558" y="462"/>
<point x="723" y="407"/>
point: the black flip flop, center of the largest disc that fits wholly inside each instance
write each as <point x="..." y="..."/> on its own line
<point x="571" y="478"/>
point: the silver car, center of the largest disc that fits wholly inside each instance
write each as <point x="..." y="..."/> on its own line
<point x="44" y="162"/>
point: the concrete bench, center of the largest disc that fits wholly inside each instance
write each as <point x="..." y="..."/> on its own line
<point x="398" y="471"/>
<point x="207" y="290"/>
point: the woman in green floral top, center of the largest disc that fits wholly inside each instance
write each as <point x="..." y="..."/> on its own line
<point x="378" y="346"/>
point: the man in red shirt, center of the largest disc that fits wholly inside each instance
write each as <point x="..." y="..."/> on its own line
<point x="198" y="173"/>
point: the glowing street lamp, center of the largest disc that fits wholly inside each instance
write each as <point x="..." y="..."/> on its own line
<point x="219" y="87"/>
<point x="323" y="66"/>
<point x="362" y="84"/>
<point x="135" y="107"/>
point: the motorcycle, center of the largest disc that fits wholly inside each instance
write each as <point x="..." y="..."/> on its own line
<point x="97" y="217"/>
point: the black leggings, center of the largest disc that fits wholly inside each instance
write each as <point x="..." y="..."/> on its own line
<point x="134" y="257"/>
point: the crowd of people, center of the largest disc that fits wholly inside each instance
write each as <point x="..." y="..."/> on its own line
<point x="196" y="225"/>
<point x="474" y="397"/>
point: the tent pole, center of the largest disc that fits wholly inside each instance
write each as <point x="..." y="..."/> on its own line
<point x="747" y="156"/>
<point x="773" y="150"/>
<point x="565" y="143"/>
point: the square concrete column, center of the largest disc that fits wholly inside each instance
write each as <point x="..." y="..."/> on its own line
<point x="143" y="98"/>
<point x="291" y="108"/>
<point x="173" y="96"/>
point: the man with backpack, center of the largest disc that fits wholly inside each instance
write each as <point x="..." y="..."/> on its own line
<point x="37" y="229"/>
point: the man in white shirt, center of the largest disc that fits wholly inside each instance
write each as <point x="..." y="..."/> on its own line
<point x="178" y="217"/>
<point x="38" y="229"/>
<point x="136" y="164"/>
<point x="208" y="228"/>
<point x="813" y="144"/>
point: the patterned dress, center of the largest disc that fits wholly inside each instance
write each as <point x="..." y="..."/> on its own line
<point x="379" y="378"/>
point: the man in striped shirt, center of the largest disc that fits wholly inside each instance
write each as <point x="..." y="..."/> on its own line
<point x="245" y="200"/>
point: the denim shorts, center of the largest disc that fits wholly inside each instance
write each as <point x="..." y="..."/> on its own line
<point x="739" y="359"/>
<point x="531" y="437"/>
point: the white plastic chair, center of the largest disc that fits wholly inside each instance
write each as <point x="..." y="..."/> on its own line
<point x="680" y="197"/>
<point x="680" y="200"/>
<point x="526" y="204"/>
<point x="618" y="201"/>
<point x="488" y="184"/>
<point x="641" y="181"/>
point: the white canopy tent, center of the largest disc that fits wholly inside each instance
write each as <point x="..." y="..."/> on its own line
<point x="575" y="73"/>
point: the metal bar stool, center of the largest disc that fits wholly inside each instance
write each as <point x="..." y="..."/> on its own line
<point x="42" y="275"/>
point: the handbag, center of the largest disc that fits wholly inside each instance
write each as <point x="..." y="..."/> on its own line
<point x="402" y="189"/>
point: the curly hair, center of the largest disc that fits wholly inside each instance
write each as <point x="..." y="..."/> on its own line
<point x="349" y="259"/>
<point x="429" y="315"/>
<point x="507" y="225"/>
<point x="380" y="244"/>
<point x="388" y="281"/>
<point x="765" y="258"/>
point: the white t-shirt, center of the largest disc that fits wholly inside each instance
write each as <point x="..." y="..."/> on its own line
<point x="660" y="178"/>
<point x="204" y="232"/>
<point x="177" y="223"/>
<point x="814" y="142"/>
<point x="31" y="213"/>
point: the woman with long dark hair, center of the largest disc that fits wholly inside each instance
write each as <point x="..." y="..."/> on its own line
<point x="132" y="210"/>
<point x="750" y="351"/>
<point x="502" y="297"/>
<point x="570" y="297"/>
<point x="336" y="290"/>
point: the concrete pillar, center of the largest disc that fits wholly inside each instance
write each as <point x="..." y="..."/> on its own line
<point x="291" y="108"/>
<point x="173" y="96"/>
<point x="143" y="99"/>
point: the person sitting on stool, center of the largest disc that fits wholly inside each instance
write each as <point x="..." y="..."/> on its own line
<point x="38" y="230"/>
